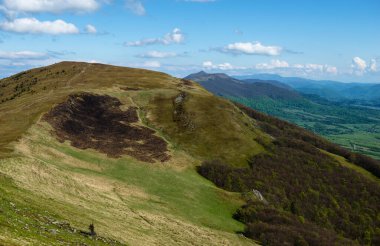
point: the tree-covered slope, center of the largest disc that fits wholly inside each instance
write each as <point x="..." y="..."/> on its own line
<point x="301" y="192"/>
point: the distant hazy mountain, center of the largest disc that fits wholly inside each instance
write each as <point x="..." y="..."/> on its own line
<point x="272" y="82"/>
<point x="224" y="85"/>
<point x="332" y="90"/>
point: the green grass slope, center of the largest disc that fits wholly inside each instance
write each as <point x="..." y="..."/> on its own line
<point x="51" y="191"/>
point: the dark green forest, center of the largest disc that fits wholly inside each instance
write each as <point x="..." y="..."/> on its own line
<point x="297" y="195"/>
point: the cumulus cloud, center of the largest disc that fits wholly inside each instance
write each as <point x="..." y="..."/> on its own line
<point x="359" y="65"/>
<point x="54" y="6"/>
<point x="158" y="54"/>
<point x="10" y="14"/>
<point x="21" y="55"/>
<point x="135" y="6"/>
<point x="272" y="65"/>
<point x="209" y="65"/>
<point x="151" y="64"/>
<point x="276" y="66"/>
<point x="331" y="70"/>
<point x="308" y="68"/>
<point x="90" y="29"/>
<point x="34" y="26"/>
<point x="373" y="65"/>
<point x="174" y="37"/>
<point x="252" y="48"/>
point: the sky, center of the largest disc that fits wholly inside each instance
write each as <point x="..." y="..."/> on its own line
<point x="324" y="39"/>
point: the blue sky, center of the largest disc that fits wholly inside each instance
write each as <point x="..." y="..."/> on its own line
<point x="321" y="39"/>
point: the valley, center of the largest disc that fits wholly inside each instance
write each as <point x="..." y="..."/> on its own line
<point x="355" y="127"/>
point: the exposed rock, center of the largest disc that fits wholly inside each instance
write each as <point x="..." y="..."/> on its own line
<point x="259" y="196"/>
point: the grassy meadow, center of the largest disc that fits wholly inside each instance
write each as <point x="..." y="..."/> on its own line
<point x="51" y="191"/>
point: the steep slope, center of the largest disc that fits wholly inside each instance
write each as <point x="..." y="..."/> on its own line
<point x="223" y="85"/>
<point x="302" y="192"/>
<point x="90" y="143"/>
<point x="119" y="148"/>
<point x="349" y="125"/>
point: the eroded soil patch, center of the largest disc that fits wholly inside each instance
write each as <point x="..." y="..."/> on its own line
<point x="97" y="122"/>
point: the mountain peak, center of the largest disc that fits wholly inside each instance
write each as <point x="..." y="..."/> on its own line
<point x="203" y="75"/>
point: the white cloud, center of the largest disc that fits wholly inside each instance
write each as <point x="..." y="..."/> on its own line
<point x="90" y="29"/>
<point x="252" y="48"/>
<point x="272" y="65"/>
<point x="331" y="70"/>
<point x="208" y="65"/>
<point x="373" y="66"/>
<point x="158" y="54"/>
<point x="10" y="14"/>
<point x="314" y="67"/>
<point x="20" y="55"/>
<point x="299" y="66"/>
<point x="359" y="65"/>
<point x="276" y="66"/>
<point x="135" y="6"/>
<point x="34" y="26"/>
<point x="54" y="6"/>
<point x="152" y="64"/>
<point x="174" y="37"/>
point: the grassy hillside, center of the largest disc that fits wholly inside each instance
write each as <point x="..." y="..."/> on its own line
<point x="52" y="191"/>
<point x="122" y="149"/>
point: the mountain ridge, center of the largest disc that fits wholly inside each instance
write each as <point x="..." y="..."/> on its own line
<point x="329" y="89"/>
<point x="78" y="152"/>
<point x="224" y="85"/>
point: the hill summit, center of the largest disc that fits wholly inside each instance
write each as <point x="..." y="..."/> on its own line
<point x="224" y="85"/>
<point x="96" y="154"/>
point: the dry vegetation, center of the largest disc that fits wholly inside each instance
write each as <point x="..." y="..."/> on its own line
<point x="127" y="199"/>
<point x="89" y="160"/>
<point x="97" y="122"/>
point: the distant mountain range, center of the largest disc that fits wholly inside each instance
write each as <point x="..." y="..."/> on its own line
<point x="224" y="85"/>
<point x="331" y="90"/>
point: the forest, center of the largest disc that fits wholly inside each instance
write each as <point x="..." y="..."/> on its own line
<point x="308" y="198"/>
